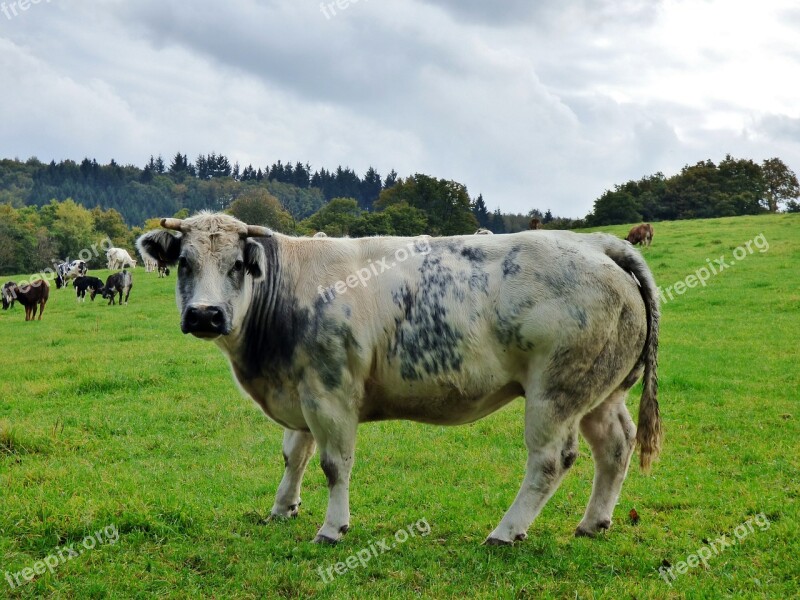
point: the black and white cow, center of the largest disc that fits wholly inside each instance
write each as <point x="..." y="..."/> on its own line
<point x="8" y="297"/>
<point x="70" y="270"/>
<point x="83" y="284"/>
<point x="326" y="334"/>
<point x="118" y="283"/>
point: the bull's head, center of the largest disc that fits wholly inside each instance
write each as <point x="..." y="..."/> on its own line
<point x="218" y="261"/>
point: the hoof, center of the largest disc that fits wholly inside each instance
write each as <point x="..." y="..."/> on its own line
<point x="493" y="541"/>
<point x="324" y="539"/>
<point x="581" y="531"/>
<point x="291" y="512"/>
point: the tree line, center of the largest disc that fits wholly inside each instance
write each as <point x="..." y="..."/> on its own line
<point x="33" y="239"/>
<point x="53" y="210"/>
<point x="705" y="190"/>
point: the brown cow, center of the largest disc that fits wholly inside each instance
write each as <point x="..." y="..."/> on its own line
<point x="641" y="234"/>
<point x="535" y="224"/>
<point x="29" y="295"/>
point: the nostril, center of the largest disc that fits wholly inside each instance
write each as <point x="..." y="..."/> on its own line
<point x="191" y="317"/>
<point x="216" y="317"/>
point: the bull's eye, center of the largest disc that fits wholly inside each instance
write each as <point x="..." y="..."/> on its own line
<point x="237" y="267"/>
<point x="183" y="264"/>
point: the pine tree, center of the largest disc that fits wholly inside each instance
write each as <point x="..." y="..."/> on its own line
<point x="179" y="164"/>
<point x="370" y="188"/>
<point x="391" y="179"/>
<point x="480" y="211"/>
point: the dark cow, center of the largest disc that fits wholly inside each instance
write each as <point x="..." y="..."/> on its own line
<point x="83" y="284"/>
<point x="327" y="334"/>
<point x="6" y="293"/>
<point x="641" y="234"/>
<point x="163" y="269"/>
<point x="32" y="296"/>
<point x="70" y="270"/>
<point x="118" y="283"/>
<point x="535" y="224"/>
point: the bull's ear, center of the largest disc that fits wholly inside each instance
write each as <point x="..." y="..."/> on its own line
<point x="255" y="260"/>
<point x="160" y="245"/>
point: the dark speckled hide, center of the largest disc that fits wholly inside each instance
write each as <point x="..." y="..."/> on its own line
<point x="276" y="328"/>
<point x="425" y="340"/>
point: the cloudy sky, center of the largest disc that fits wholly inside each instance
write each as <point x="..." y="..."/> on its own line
<point x="539" y="104"/>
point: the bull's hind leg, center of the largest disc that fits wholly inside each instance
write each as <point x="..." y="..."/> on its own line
<point x="298" y="448"/>
<point x="552" y="441"/>
<point x="611" y="435"/>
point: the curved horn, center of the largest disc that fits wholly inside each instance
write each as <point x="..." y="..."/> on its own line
<point x="176" y="224"/>
<point x="257" y="231"/>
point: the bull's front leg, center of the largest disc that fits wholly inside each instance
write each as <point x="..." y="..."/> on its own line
<point x="334" y="429"/>
<point x="298" y="448"/>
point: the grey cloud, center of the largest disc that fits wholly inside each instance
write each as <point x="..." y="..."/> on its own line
<point x="549" y="13"/>
<point x="534" y="104"/>
<point x="779" y="127"/>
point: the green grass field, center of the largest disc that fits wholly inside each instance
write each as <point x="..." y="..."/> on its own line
<point x="112" y="421"/>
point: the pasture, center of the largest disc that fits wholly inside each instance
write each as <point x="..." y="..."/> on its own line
<point x="110" y="417"/>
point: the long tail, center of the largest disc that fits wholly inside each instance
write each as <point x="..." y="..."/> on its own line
<point x="648" y="431"/>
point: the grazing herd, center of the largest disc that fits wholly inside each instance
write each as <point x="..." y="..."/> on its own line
<point x="33" y="295"/>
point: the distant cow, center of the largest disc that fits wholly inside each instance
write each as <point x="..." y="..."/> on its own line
<point x="31" y="296"/>
<point x="118" y="283"/>
<point x="118" y="258"/>
<point x="83" y="284"/>
<point x="320" y="234"/>
<point x="70" y="270"/>
<point x="7" y="294"/>
<point x="535" y="224"/>
<point x="641" y="234"/>
<point x="460" y="327"/>
<point x="483" y="231"/>
<point x="150" y="265"/>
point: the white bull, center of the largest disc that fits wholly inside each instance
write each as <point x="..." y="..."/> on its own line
<point x="327" y="334"/>
<point x="118" y="258"/>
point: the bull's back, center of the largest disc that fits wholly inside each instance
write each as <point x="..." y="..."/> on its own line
<point x="462" y="343"/>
